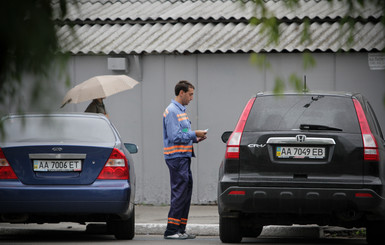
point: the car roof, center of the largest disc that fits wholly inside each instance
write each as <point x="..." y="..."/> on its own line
<point x="320" y="92"/>
<point x="56" y="114"/>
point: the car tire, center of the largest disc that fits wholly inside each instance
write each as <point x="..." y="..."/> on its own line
<point x="230" y="230"/>
<point x="253" y="231"/>
<point x="123" y="229"/>
<point x="375" y="232"/>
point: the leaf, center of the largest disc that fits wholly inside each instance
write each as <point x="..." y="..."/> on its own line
<point x="308" y="61"/>
<point x="259" y="60"/>
<point x="279" y="86"/>
<point x="305" y="36"/>
<point x="296" y="82"/>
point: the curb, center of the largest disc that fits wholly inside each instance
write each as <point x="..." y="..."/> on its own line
<point x="294" y="231"/>
<point x="307" y="231"/>
<point x="158" y="229"/>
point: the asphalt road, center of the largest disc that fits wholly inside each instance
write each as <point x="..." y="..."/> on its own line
<point x="35" y="234"/>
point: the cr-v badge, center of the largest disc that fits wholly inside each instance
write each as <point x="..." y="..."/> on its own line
<point x="256" y="145"/>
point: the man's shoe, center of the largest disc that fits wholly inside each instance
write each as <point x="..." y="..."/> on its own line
<point x="188" y="236"/>
<point x="177" y="236"/>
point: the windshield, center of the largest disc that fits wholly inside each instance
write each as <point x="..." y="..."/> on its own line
<point x="57" y="129"/>
<point x="271" y="113"/>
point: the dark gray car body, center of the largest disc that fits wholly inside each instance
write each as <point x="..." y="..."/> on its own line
<point x="332" y="185"/>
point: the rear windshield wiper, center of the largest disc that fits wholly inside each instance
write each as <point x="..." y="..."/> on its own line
<point x="317" y="127"/>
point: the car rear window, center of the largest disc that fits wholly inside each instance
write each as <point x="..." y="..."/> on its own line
<point x="58" y="129"/>
<point x="270" y="113"/>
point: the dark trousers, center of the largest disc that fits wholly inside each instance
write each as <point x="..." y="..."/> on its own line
<point x="181" y="191"/>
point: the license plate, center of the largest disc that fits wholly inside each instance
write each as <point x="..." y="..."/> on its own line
<point x="300" y="152"/>
<point x="57" y="165"/>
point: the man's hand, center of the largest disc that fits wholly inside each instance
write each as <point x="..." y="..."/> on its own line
<point x="199" y="139"/>
<point x="200" y="133"/>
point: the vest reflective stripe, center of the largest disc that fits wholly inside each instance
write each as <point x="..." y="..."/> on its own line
<point x="182" y="117"/>
<point x="165" y="113"/>
<point x="178" y="148"/>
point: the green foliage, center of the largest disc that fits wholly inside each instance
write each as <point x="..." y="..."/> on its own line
<point x="29" y="46"/>
<point x="308" y="61"/>
<point x="260" y="61"/>
<point x="270" y="26"/>
<point x="296" y="82"/>
<point x="306" y="37"/>
<point x="279" y="87"/>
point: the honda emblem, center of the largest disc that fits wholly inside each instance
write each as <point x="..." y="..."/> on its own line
<point x="300" y="138"/>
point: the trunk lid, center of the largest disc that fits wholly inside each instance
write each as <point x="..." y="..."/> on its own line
<point x="41" y="165"/>
<point x="66" y="149"/>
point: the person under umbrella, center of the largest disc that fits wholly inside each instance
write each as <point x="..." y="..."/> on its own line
<point x="97" y="106"/>
<point x="96" y="89"/>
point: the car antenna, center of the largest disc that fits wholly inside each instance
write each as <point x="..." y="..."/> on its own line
<point x="304" y="84"/>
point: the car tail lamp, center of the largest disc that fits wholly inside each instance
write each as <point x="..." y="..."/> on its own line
<point x="237" y="193"/>
<point x="6" y="171"/>
<point x="370" y="143"/>
<point x="116" y="166"/>
<point x="233" y="144"/>
<point x="363" y="195"/>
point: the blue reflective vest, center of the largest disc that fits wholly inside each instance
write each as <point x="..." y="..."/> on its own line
<point x="178" y="138"/>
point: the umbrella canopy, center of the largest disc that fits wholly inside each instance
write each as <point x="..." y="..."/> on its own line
<point x="99" y="87"/>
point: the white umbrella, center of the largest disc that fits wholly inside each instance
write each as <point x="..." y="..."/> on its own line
<point x="99" y="87"/>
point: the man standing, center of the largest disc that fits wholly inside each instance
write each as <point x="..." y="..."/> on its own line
<point x="178" y="139"/>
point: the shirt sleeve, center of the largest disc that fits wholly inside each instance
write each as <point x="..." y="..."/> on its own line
<point x="175" y="133"/>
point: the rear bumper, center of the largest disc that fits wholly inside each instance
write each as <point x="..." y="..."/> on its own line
<point x="102" y="197"/>
<point x="298" y="201"/>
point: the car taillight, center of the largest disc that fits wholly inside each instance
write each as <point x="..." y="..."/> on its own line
<point x="363" y="195"/>
<point x="237" y="193"/>
<point x="116" y="166"/>
<point x="232" y="148"/>
<point x="6" y="171"/>
<point x="370" y="143"/>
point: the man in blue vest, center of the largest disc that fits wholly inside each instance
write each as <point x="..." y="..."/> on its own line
<point x="178" y="139"/>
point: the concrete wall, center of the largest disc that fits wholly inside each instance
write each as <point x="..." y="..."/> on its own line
<point x="224" y="83"/>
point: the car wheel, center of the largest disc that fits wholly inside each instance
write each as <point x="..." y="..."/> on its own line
<point x="252" y="231"/>
<point x="229" y="230"/>
<point x="375" y="232"/>
<point x="123" y="229"/>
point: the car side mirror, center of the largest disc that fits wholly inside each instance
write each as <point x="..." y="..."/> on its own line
<point x="225" y="136"/>
<point x="132" y="148"/>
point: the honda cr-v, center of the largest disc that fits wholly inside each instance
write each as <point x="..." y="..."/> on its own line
<point x="303" y="158"/>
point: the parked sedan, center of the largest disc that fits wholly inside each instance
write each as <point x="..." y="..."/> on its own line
<point x="303" y="158"/>
<point x="66" y="168"/>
